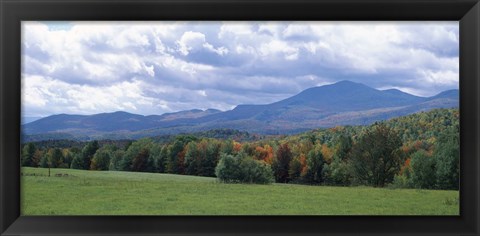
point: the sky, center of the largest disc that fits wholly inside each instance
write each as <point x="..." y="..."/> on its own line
<point x="157" y="67"/>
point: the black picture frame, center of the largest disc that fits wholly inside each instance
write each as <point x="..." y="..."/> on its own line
<point x="12" y="12"/>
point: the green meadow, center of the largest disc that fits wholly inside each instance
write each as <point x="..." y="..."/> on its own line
<point x="82" y="192"/>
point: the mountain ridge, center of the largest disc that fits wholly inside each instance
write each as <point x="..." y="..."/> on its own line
<point x="342" y="103"/>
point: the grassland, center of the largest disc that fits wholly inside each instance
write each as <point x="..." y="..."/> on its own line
<point x="127" y="193"/>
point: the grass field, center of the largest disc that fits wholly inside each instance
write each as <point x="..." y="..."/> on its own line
<point x="127" y="193"/>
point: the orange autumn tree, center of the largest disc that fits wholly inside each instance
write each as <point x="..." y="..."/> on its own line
<point x="264" y="154"/>
<point x="237" y="147"/>
<point x="405" y="167"/>
<point x="303" y="164"/>
<point x="327" y="153"/>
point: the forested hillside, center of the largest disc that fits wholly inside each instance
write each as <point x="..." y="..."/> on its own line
<point x="415" y="151"/>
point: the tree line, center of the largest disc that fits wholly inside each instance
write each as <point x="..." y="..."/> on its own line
<point x="416" y="151"/>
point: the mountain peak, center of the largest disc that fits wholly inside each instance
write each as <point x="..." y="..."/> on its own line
<point x="117" y="114"/>
<point x="343" y="82"/>
<point x="120" y="113"/>
<point x="346" y="85"/>
<point x="398" y="92"/>
<point x="212" y="110"/>
<point x="346" y="95"/>
<point x="453" y="93"/>
<point x="340" y="87"/>
<point x="393" y="90"/>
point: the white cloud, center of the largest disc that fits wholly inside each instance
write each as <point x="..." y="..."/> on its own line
<point x="54" y="96"/>
<point x="297" y="30"/>
<point x="439" y="77"/>
<point x="130" y="37"/>
<point x="155" y="67"/>
<point x="416" y="92"/>
<point x="235" y="29"/>
<point x="194" y="41"/>
<point x="202" y="93"/>
<point x="149" y="70"/>
<point x="220" y="51"/>
<point x="190" y="41"/>
<point x="273" y="47"/>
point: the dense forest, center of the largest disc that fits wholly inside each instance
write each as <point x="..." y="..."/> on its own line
<point x="415" y="151"/>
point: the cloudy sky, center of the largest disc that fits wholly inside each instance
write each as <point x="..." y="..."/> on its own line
<point x="157" y="67"/>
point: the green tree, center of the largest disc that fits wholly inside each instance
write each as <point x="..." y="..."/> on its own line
<point x="116" y="160"/>
<point x="44" y="161"/>
<point x="77" y="162"/>
<point x="211" y="157"/>
<point x="315" y="162"/>
<point x="344" y="146"/>
<point x="137" y="157"/>
<point x="67" y="159"/>
<point x="159" y="154"/>
<point x="338" y="172"/>
<point x="101" y="159"/>
<point x="227" y="147"/>
<point x="192" y="159"/>
<point x="376" y="157"/>
<point x="28" y="155"/>
<point x="175" y="162"/>
<point x="295" y="169"/>
<point x="83" y="160"/>
<point x="37" y="157"/>
<point x="55" y="157"/>
<point x="447" y="156"/>
<point x="162" y="159"/>
<point x="248" y="149"/>
<point x="422" y="170"/>
<point x="243" y="169"/>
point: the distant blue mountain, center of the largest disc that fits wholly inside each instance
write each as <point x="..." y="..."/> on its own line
<point x="342" y="103"/>
<point x="348" y="96"/>
<point x="449" y="94"/>
<point x="28" y="119"/>
<point x="119" y="121"/>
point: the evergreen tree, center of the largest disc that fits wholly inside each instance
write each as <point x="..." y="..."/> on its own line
<point x="77" y="162"/>
<point x="28" y="153"/>
<point x="44" y="161"/>
<point x="55" y="157"/>
<point x="87" y="154"/>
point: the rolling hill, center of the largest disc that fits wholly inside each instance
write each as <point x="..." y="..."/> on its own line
<point x="342" y="103"/>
